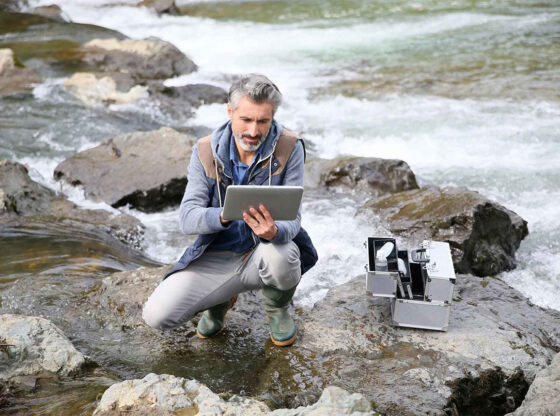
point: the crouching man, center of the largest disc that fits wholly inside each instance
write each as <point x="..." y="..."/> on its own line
<point x="230" y="257"/>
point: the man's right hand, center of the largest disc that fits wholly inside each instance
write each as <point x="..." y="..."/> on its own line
<point x="224" y="222"/>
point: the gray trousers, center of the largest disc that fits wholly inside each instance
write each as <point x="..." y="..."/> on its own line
<point x="217" y="276"/>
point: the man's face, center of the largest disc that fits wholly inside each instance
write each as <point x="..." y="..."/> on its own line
<point x="250" y="123"/>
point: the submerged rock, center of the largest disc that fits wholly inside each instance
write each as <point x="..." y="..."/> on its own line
<point x="144" y="169"/>
<point x="168" y="395"/>
<point x="483" y="235"/>
<point x="364" y="174"/>
<point x="93" y="91"/>
<point x="543" y="397"/>
<point x="150" y="58"/>
<point x="31" y="347"/>
<point x="14" y="78"/>
<point x="23" y="200"/>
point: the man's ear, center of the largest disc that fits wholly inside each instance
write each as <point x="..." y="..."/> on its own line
<point x="229" y="111"/>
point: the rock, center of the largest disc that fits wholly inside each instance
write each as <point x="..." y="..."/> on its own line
<point x="160" y="6"/>
<point x="483" y="235"/>
<point x="364" y="174"/>
<point x="92" y="91"/>
<point x="333" y="402"/>
<point x="482" y="365"/>
<point x="31" y="347"/>
<point x="165" y="395"/>
<point x="543" y="397"/>
<point x="150" y="58"/>
<point x="196" y="94"/>
<point x="14" y="78"/>
<point x="51" y="11"/>
<point x="23" y="200"/>
<point x="144" y="169"/>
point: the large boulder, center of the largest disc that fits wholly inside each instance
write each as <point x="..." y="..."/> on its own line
<point x="483" y="235"/>
<point x="363" y="174"/>
<point x="31" y="347"/>
<point x="483" y="364"/>
<point x="543" y="397"/>
<point x="13" y="77"/>
<point x="23" y="200"/>
<point x="144" y="169"/>
<point x="168" y="395"/>
<point x="150" y="58"/>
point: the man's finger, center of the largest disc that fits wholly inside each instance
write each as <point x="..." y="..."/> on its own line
<point x="266" y="213"/>
<point x="257" y="214"/>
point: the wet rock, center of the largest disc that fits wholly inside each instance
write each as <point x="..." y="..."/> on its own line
<point x="483" y="235"/>
<point x="165" y="395"/>
<point x="483" y="364"/>
<point x="93" y="91"/>
<point x="543" y="397"/>
<point x="31" y="347"/>
<point x="195" y="95"/>
<point x="144" y="169"/>
<point x="23" y="200"/>
<point x="14" y="78"/>
<point x="150" y="58"/>
<point x="365" y="174"/>
<point x="160" y="6"/>
<point x="51" y="11"/>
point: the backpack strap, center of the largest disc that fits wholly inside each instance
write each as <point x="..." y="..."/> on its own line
<point x="206" y="157"/>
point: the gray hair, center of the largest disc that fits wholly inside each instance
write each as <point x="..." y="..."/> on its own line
<point x="257" y="88"/>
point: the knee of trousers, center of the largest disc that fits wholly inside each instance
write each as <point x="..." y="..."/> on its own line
<point x="157" y="315"/>
<point x="280" y="265"/>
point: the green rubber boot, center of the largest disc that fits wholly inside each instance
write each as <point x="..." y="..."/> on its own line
<point x="213" y="320"/>
<point x="282" y="326"/>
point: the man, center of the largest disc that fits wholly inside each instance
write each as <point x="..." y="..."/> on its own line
<point x="230" y="257"/>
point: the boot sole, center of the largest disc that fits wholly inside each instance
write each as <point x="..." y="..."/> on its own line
<point x="231" y="303"/>
<point x="284" y="343"/>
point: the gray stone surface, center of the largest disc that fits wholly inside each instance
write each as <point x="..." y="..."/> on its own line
<point x="483" y="364"/>
<point x="150" y="58"/>
<point x="483" y="234"/>
<point x="31" y="347"/>
<point x="22" y="200"/>
<point x="373" y="176"/>
<point x="144" y="169"/>
<point x="51" y="11"/>
<point x="168" y="395"/>
<point x="160" y="6"/>
<point x="14" y="78"/>
<point x="543" y="397"/>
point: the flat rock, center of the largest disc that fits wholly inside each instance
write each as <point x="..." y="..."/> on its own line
<point x="31" y="347"/>
<point x="483" y="234"/>
<point x="543" y="397"/>
<point x="363" y="174"/>
<point x="14" y="78"/>
<point x="23" y="200"/>
<point x="483" y="364"/>
<point x="144" y="169"/>
<point x="150" y="58"/>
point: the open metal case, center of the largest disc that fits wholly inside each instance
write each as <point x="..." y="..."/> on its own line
<point x="421" y="293"/>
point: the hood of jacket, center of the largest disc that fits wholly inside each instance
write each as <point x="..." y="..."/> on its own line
<point x="220" y="144"/>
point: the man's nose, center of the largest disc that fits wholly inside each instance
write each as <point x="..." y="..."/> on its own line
<point x="253" y="129"/>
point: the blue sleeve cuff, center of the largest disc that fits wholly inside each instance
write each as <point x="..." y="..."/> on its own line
<point x="280" y="237"/>
<point x="213" y="219"/>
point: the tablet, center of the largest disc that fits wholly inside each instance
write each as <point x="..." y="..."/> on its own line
<point x="281" y="201"/>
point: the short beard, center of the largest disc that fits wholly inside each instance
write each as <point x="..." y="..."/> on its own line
<point x="246" y="146"/>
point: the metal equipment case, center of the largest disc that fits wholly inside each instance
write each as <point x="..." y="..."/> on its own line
<point x="421" y="293"/>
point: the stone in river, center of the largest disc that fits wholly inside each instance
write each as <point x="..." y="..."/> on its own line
<point x="543" y="397"/>
<point x="23" y="200"/>
<point x="144" y="169"/>
<point x="14" y="77"/>
<point x="31" y="347"/>
<point x="365" y="174"/>
<point x="483" y="364"/>
<point x="483" y="234"/>
<point x="160" y="6"/>
<point x="150" y="58"/>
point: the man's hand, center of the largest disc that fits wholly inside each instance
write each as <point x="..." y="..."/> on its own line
<point x="225" y="223"/>
<point x="261" y="222"/>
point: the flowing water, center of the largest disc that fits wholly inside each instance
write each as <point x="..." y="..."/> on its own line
<point x="466" y="91"/>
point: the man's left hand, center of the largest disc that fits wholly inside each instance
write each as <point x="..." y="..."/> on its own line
<point x="261" y="222"/>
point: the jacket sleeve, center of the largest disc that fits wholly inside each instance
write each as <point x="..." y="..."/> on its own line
<point x="195" y="214"/>
<point x="287" y="230"/>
